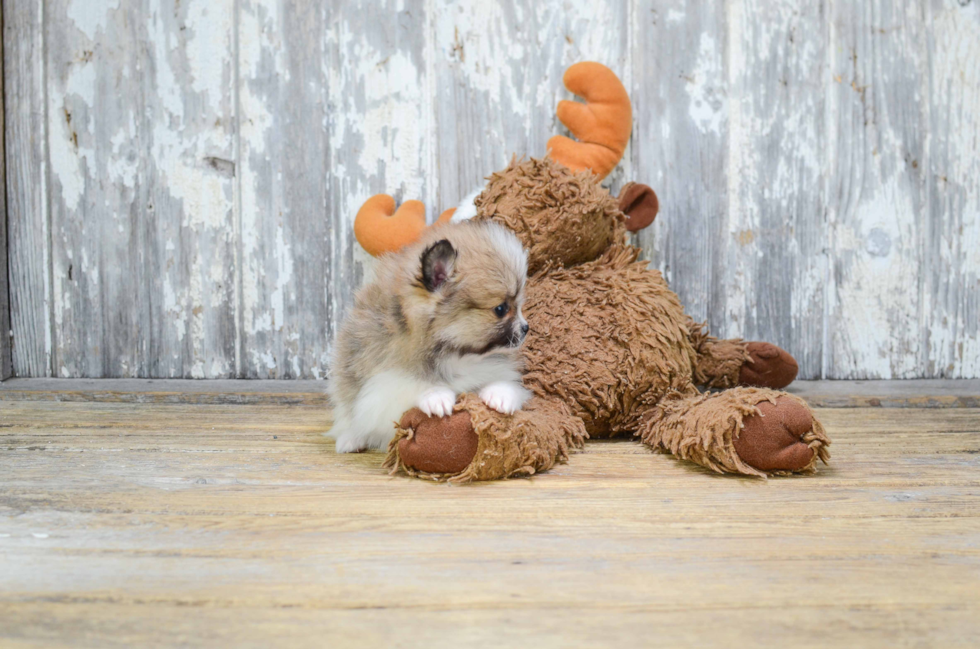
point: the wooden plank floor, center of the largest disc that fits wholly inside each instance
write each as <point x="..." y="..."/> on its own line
<point x="127" y="523"/>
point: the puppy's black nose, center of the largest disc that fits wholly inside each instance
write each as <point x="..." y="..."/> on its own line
<point x="525" y="328"/>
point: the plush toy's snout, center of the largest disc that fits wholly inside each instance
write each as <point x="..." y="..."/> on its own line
<point x="640" y="205"/>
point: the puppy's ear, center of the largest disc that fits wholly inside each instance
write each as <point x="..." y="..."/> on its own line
<point x="438" y="261"/>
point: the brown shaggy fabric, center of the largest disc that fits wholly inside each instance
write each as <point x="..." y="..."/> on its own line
<point x="703" y="429"/>
<point x="610" y="352"/>
<point x="534" y="439"/>
<point x="718" y="361"/>
<point x="561" y="217"/>
<point x="608" y="338"/>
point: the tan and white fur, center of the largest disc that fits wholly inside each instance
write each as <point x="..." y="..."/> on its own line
<point x="442" y="317"/>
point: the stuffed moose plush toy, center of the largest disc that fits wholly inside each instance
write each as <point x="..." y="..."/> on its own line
<point x="610" y="352"/>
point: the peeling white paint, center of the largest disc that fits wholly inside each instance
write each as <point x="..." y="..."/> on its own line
<point x="67" y="155"/>
<point x="392" y="121"/>
<point x="708" y="100"/>
<point x="91" y="15"/>
<point x="197" y="369"/>
<point x="174" y="309"/>
<point x="166" y="83"/>
<point x="882" y="338"/>
<point x="741" y="165"/>
<point x="284" y="276"/>
<point x="208" y="46"/>
<point x="66" y="166"/>
<point x="954" y="328"/>
<point x="487" y="58"/>
<point x="423" y="103"/>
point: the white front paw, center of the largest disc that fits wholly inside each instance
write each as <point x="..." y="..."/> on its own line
<point x="350" y="444"/>
<point x="505" y="397"/>
<point x="437" y="402"/>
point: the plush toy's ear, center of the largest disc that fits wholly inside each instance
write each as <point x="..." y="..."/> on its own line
<point x="602" y="124"/>
<point x="380" y="229"/>
<point x="640" y="205"/>
<point x="438" y="262"/>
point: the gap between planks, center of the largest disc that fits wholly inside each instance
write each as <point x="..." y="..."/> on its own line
<point x="919" y="393"/>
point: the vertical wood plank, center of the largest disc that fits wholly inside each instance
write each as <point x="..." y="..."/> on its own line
<point x="772" y="249"/>
<point x="285" y="167"/>
<point x="679" y="145"/>
<point x="951" y="263"/>
<point x="140" y="116"/>
<point x="6" y="366"/>
<point x="6" y="362"/>
<point x="91" y="58"/>
<point x="27" y="215"/>
<point x="189" y="240"/>
<point x="876" y="194"/>
<point x="498" y="71"/>
<point x="334" y="103"/>
<point x="730" y="137"/>
<point x="380" y="126"/>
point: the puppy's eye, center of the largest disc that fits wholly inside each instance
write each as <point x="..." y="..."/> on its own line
<point x="501" y="309"/>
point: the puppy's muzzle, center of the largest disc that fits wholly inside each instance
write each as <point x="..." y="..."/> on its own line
<point x="517" y="337"/>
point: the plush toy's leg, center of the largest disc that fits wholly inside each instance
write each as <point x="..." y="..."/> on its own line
<point x="476" y="443"/>
<point x="727" y="363"/>
<point x="750" y="431"/>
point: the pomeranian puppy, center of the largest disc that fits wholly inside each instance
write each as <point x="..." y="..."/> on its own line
<point x="443" y="316"/>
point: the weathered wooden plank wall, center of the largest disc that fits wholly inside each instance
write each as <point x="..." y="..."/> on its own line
<point x="28" y="249"/>
<point x="183" y="175"/>
<point x="6" y="358"/>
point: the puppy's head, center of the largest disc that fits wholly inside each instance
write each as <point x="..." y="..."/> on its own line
<point x="469" y="284"/>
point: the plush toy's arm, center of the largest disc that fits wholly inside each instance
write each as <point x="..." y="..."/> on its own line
<point x="727" y="363"/>
<point x="602" y="124"/>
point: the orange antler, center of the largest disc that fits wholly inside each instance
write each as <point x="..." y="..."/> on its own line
<point x="602" y="124"/>
<point x="380" y="228"/>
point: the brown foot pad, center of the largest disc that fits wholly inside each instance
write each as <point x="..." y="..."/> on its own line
<point x="778" y="439"/>
<point x="768" y="367"/>
<point x="438" y="444"/>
